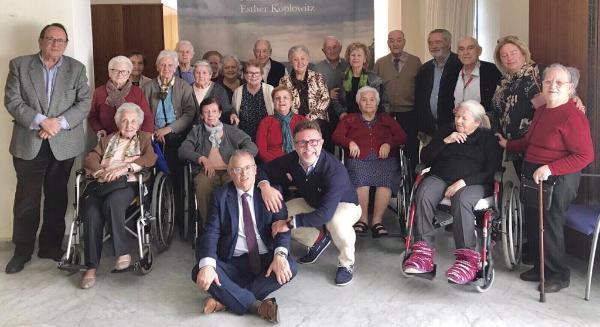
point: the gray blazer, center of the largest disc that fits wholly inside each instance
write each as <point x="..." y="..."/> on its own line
<point x="183" y="102"/>
<point x="25" y="97"/>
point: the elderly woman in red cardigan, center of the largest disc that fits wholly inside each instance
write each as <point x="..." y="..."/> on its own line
<point x="371" y="140"/>
<point x="274" y="133"/>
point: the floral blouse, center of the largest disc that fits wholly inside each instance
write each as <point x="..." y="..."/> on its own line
<point x="512" y="109"/>
<point x="318" y="95"/>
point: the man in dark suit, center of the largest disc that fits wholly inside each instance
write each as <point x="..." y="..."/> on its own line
<point x="47" y="95"/>
<point x="273" y="70"/>
<point x="241" y="261"/>
<point x="435" y="83"/>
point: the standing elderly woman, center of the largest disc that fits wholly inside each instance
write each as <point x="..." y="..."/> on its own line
<point x="252" y="101"/>
<point x="214" y="57"/>
<point x="357" y="76"/>
<point x="274" y="134"/>
<point x="118" y="90"/>
<point x="372" y="139"/>
<point x="558" y="145"/>
<point x="209" y="146"/>
<point x="463" y="158"/>
<point x="122" y="153"/>
<point x="205" y="88"/>
<point x="230" y="78"/>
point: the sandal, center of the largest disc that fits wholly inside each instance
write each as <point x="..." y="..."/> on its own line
<point x="378" y="230"/>
<point x="360" y="228"/>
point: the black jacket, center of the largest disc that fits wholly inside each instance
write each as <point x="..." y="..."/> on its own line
<point x="276" y="73"/>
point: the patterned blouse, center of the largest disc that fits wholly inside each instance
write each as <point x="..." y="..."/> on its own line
<point x="318" y="95"/>
<point x="512" y="109"/>
<point x="252" y="111"/>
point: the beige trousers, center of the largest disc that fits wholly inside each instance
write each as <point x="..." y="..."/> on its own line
<point x="204" y="187"/>
<point x="339" y="227"/>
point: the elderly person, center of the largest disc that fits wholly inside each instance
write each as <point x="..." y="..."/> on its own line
<point x="205" y="88"/>
<point x="118" y="155"/>
<point x="138" y="61"/>
<point x="252" y="101"/>
<point x="185" y="53"/>
<point x="557" y="146"/>
<point x="274" y="134"/>
<point x="333" y="66"/>
<point x="272" y="70"/>
<point x="463" y="158"/>
<point x="230" y="78"/>
<point x="215" y="58"/>
<point x="118" y="90"/>
<point x="372" y="139"/>
<point x="209" y="146"/>
<point x="357" y="76"/>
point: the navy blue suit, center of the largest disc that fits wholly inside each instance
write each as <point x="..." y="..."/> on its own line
<point x="240" y="288"/>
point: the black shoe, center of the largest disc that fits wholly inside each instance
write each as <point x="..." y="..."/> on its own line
<point x="317" y="249"/>
<point x="52" y="253"/>
<point x="16" y="264"/>
<point x="553" y="286"/>
<point x="531" y="275"/>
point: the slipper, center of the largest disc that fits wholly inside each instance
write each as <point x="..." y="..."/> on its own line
<point x="360" y="228"/>
<point x="87" y="282"/>
<point x="123" y="262"/>
<point x="378" y="230"/>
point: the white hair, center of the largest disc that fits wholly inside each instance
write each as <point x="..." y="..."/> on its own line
<point x="202" y="63"/>
<point x="170" y="54"/>
<point x="296" y="48"/>
<point x="184" y="43"/>
<point x="478" y="112"/>
<point x="367" y="89"/>
<point x="129" y="107"/>
<point x="120" y="60"/>
<point x="572" y="72"/>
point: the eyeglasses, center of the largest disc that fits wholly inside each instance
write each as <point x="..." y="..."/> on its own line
<point x="119" y="72"/>
<point x="559" y="84"/>
<point x="52" y="40"/>
<point x="303" y="143"/>
<point x="253" y="73"/>
<point x="238" y="170"/>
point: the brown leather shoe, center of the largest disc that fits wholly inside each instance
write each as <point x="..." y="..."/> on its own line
<point x="212" y="305"/>
<point x="268" y="310"/>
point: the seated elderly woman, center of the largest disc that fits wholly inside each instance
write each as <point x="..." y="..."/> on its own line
<point x="463" y="158"/>
<point x="274" y="134"/>
<point x="119" y="154"/>
<point x="110" y="96"/>
<point x="557" y="146"/>
<point x="205" y="88"/>
<point x="372" y="139"/>
<point x="209" y="146"/>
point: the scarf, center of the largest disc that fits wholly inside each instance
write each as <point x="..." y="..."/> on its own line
<point x="132" y="149"/>
<point x="302" y="87"/>
<point x="115" y="96"/>
<point x="216" y="134"/>
<point x="348" y="79"/>
<point x="286" y="133"/>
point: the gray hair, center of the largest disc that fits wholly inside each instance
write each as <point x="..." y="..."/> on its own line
<point x="474" y="40"/>
<point x="235" y="59"/>
<point x="445" y="34"/>
<point x="367" y="89"/>
<point x="127" y="107"/>
<point x="240" y="153"/>
<point x="170" y="54"/>
<point x="296" y="48"/>
<point x="572" y="72"/>
<point x="478" y="112"/>
<point x="264" y="40"/>
<point x="184" y="43"/>
<point x="120" y="60"/>
<point x="331" y="37"/>
<point x="202" y="63"/>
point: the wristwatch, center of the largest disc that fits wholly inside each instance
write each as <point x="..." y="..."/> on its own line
<point x="281" y="253"/>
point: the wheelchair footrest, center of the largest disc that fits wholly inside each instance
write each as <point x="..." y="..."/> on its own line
<point x="428" y="275"/>
<point x="442" y="219"/>
<point x="71" y="267"/>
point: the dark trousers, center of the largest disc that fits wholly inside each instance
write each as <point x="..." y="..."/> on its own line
<point x="240" y="288"/>
<point x="172" y="143"/>
<point x="326" y="131"/>
<point x="408" y="121"/>
<point x="555" y="267"/>
<point x="53" y="175"/>
<point x="110" y="210"/>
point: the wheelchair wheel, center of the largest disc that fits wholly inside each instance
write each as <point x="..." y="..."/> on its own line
<point x="487" y="272"/>
<point x="163" y="211"/>
<point x="144" y="266"/>
<point x="187" y="203"/>
<point x="512" y="227"/>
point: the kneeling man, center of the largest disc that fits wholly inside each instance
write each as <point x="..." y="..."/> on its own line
<point x="240" y="262"/>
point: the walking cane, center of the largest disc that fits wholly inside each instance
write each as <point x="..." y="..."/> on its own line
<point x="541" y="229"/>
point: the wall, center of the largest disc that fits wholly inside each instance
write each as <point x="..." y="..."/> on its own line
<point x="20" y="25"/>
<point x="498" y="18"/>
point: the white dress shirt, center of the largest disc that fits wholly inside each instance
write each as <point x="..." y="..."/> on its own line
<point x="468" y="90"/>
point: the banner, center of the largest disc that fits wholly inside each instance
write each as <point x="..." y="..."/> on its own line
<point x="232" y="26"/>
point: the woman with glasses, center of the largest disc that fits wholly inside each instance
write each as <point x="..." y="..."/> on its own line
<point x="110" y="96"/>
<point x="209" y="146"/>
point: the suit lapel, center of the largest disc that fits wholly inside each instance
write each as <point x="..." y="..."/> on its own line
<point x="37" y="80"/>
<point x="258" y="213"/>
<point x="58" y="91"/>
<point x="233" y="210"/>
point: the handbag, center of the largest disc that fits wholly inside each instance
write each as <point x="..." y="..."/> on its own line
<point x="530" y="192"/>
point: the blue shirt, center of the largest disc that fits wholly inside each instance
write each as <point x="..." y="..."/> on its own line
<point x="186" y="76"/>
<point x="169" y="111"/>
<point x="49" y="80"/>
<point x="438" y="70"/>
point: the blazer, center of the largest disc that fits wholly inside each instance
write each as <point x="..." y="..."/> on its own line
<point x="102" y="116"/>
<point x="25" y="97"/>
<point x="183" y="102"/>
<point x="318" y="95"/>
<point x="423" y="88"/>
<point x="489" y="78"/>
<point x="236" y="101"/>
<point x="220" y="237"/>
<point x="276" y="72"/>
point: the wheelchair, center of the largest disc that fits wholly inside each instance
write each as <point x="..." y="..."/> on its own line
<point x="191" y="215"/>
<point x="152" y="210"/>
<point x="488" y="219"/>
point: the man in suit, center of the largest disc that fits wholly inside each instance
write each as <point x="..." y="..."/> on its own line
<point x="477" y="79"/>
<point x="48" y="97"/>
<point x="273" y="70"/>
<point x="435" y="83"/>
<point x="327" y="199"/>
<point x="242" y="260"/>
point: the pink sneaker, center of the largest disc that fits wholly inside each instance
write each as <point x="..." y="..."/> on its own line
<point x="465" y="267"/>
<point x="420" y="260"/>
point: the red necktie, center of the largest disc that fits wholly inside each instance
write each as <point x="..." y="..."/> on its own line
<point x="251" y="242"/>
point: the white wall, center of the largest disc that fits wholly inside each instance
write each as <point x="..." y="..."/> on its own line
<point x="20" y="25"/>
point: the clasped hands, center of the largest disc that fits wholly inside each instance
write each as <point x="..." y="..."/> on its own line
<point x="49" y="127"/>
<point x="384" y="150"/>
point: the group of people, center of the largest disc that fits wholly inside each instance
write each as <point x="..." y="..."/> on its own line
<point x="252" y="135"/>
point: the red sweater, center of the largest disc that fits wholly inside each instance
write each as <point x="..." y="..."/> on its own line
<point x="385" y="130"/>
<point x="102" y="116"/>
<point x="558" y="137"/>
<point x="269" y="139"/>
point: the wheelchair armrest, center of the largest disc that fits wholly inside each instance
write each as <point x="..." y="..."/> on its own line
<point x="80" y="172"/>
<point x="422" y="169"/>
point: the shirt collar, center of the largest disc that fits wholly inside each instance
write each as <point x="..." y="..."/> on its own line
<point x="435" y="62"/>
<point x="475" y="71"/>
<point x="240" y="192"/>
<point x="312" y="166"/>
<point x="58" y="64"/>
<point x="403" y="57"/>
